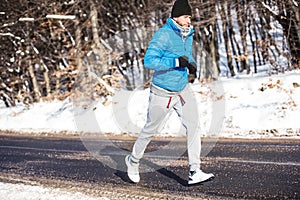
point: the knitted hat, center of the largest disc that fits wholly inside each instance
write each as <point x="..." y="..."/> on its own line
<point x="181" y="7"/>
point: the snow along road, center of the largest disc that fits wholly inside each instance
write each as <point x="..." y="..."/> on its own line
<point x="253" y="169"/>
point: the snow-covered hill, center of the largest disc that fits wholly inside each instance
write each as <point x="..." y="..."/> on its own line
<point x="265" y="106"/>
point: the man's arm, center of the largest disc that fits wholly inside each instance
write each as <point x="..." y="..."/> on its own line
<point x="155" y="57"/>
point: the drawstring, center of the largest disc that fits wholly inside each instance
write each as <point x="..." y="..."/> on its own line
<point x="170" y="99"/>
<point x="181" y="100"/>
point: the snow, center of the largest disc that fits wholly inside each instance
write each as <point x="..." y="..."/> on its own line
<point x="262" y="106"/>
<point x="29" y="192"/>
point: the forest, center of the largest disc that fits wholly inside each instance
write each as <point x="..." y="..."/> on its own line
<point x="61" y="48"/>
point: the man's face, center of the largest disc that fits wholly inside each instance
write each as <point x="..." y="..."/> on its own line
<point x="184" y="20"/>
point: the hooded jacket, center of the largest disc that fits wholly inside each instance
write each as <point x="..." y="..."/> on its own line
<point x="166" y="46"/>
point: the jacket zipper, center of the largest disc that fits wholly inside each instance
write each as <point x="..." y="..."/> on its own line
<point x="184" y="42"/>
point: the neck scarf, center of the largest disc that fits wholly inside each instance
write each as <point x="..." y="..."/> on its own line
<point x="184" y="30"/>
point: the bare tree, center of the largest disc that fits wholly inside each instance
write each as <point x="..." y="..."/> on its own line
<point x="49" y="48"/>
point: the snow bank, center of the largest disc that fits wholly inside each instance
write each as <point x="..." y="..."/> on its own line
<point x="251" y="107"/>
<point x="27" y="192"/>
<point x="265" y="106"/>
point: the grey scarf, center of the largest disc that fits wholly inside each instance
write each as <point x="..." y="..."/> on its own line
<point x="184" y="30"/>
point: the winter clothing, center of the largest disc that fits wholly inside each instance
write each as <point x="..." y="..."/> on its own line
<point x="169" y="54"/>
<point x="192" y="72"/>
<point x="161" y="103"/>
<point x="181" y="7"/>
<point x="166" y="46"/>
<point x="183" y="61"/>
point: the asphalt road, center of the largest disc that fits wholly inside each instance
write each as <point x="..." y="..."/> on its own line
<point x="244" y="169"/>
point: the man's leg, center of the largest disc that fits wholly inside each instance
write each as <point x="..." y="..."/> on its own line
<point x="193" y="137"/>
<point x="157" y="112"/>
<point x="158" y="109"/>
<point x="189" y="119"/>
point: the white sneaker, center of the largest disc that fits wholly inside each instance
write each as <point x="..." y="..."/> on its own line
<point x="199" y="176"/>
<point x="132" y="170"/>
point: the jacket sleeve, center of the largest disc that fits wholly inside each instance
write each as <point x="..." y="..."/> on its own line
<point x="190" y="51"/>
<point x="155" y="57"/>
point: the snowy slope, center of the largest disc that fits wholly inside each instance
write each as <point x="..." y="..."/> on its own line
<point x="248" y="107"/>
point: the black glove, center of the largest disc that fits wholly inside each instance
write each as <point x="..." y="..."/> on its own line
<point x="192" y="68"/>
<point x="192" y="72"/>
<point x="183" y="61"/>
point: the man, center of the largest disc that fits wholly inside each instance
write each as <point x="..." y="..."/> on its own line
<point x="169" y="54"/>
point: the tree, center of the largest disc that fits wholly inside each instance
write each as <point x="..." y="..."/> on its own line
<point x="53" y="49"/>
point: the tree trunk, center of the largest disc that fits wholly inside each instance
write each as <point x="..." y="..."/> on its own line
<point x="46" y="78"/>
<point x="226" y="38"/>
<point x="242" y="21"/>
<point x="253" y="42"/>
<point x="289" y="18"/>
<point x="36" y="91"/>
<point x="235" y="49"/>
<point x="214" y="66"/>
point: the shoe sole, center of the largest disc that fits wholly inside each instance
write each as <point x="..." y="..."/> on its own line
<point x="200" y="182"/>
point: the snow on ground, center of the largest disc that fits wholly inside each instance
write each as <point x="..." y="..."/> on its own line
<point x="264" y="106"/>
<point x="28" y="192"/>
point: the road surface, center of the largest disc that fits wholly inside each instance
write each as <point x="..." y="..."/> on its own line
<point x="244" y="169"/>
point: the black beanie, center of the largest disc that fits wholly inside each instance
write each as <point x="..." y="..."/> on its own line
<point x="181" y="7"/>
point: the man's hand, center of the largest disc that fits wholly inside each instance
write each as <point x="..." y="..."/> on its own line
<point x="192" y="68"/>
<point x="192" y="72"/>
<point x="182" y="61"/>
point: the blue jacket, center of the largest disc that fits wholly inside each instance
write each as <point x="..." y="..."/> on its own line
<point x="165" y="47"/>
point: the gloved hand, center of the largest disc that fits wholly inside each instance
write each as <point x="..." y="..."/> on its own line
<point x="192" y="72"/>
<point x="191" y="78"/>
<point x="182" y="61"/>
<point x="192" y="68"/>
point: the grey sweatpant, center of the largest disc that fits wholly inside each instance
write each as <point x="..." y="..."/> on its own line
<point x="159" y="108"/>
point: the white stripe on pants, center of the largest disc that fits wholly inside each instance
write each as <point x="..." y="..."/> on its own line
<point x="157" y="112"/>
